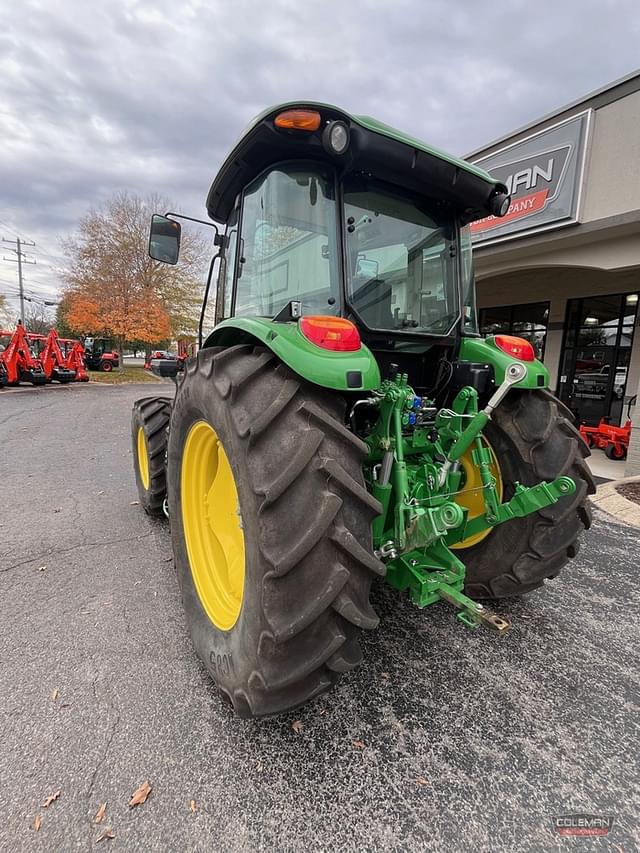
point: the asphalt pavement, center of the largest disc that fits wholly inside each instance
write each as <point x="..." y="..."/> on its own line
<point x="445" y="739"/>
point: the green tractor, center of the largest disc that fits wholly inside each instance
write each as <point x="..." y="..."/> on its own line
<point x="344" y="421"/>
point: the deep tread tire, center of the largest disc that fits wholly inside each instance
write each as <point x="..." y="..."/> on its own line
<point x="152" y="414"/>
<point x="306" y="516"/>
<point x="534" y="439"/>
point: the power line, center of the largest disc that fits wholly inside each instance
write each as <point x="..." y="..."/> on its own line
<point x="20" y="255"/>
<point x="42" y="297"/>
<point x="54" y="261"/>
<point x="55" y="255"/>
<point x="47" y="302"/>
<point x="33" y="286"/>
<point x="9" y="227"/>
<point x="38" y="250"/>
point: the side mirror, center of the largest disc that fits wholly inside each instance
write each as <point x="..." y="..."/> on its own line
<point x="164" y="239"/>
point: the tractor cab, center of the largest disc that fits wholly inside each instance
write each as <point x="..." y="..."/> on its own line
<point x="99" y="354"/>
<point x="333" y="215"/>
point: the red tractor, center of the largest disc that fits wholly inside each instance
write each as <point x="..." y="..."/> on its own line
<point x="100" y="355"/>
<point x="20" y="363"/>
<point x="612" y="439"/>
<point x="50" y="355"/>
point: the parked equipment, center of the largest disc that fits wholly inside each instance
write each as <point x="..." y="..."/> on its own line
<point x="167" y="356"/>
<point x="20" y="363"/>
<point x="613" y="440"/>
<point x="53" y="361"/>
<point x="344" y="420"/>
<point x="73" y="352"/>
<point x="100" y="355"/>
<point x="38" y="359"/>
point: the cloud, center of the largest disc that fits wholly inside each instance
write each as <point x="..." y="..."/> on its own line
<point x="103" y="96"/>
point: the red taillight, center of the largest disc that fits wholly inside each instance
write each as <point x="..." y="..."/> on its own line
<point x="516" y="347"/>
<point x="333" y="333"/>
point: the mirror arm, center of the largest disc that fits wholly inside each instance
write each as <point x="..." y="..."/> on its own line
<point x="206" y="296"/>
<point x="217" y="240"/>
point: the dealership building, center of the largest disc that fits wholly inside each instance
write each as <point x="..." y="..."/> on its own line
<point x="562" y="268"/>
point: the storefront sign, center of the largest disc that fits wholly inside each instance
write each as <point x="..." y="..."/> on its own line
<point x="543" y="173"/>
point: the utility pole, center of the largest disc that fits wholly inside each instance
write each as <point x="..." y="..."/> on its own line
<point x="18" y="250"/>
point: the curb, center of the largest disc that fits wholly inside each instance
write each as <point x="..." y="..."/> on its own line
<point x="612" y="502"/>
<point x="49" y="386"/>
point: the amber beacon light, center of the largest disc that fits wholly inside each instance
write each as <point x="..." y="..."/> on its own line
<point x="308" y="120"/>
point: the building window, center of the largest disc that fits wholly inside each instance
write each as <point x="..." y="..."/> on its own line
<point x="527" y="321"/>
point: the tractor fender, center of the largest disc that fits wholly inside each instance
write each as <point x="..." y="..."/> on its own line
<point x="486" y="351"/>
<point x="339" y="371"/>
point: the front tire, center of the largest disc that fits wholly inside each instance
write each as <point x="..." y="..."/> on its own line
<point x="533" y="438"/>
<point x="306" y="519"/>
<point x="149" y="423"/>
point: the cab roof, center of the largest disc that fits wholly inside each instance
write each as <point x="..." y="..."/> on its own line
<point x="375" y="148"/>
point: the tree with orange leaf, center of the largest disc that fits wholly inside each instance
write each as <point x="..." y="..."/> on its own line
<point x="113" y="287"/>
<point x="83" y="314"/>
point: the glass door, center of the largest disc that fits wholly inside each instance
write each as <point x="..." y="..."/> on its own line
<point x="597" y="348"/>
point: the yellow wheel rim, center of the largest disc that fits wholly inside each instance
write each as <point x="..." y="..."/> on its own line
<point x="212" y="525"/>
<point x="143" y="459"/>
<point x="471" y="493"/>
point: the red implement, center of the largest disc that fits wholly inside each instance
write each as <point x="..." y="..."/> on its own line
<point x="74" y="358"/>
<point x="19" y="362"/>
<point x="612" y="439"/>
<point x="53" y="360"/>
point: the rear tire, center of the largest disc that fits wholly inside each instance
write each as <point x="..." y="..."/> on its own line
<point x="306" y="520"/>
<point x="151" y="415"/>
<point x="533" y="438"/>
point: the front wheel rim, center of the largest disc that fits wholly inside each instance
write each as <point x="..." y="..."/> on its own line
<point x="212" y="524"/>
<point x="143" y="459"/>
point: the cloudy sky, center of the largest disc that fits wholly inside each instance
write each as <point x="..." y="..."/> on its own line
<point x="148" y="96"/>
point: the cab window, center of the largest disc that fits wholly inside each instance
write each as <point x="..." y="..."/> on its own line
<point x="288" y="246"/>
